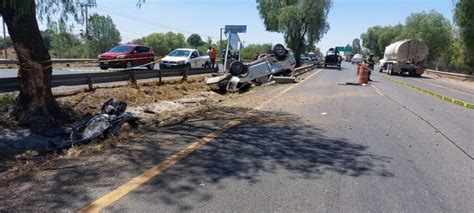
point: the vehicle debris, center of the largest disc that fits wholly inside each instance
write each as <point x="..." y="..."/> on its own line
<point x="107" y="123"/>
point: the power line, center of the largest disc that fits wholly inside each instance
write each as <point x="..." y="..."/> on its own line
<point x="144" y="21"/>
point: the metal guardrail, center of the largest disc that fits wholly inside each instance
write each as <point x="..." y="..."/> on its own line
<point x="451" y="74"/>
<point x="303" y="69"/>
<point x="13" y="84"/>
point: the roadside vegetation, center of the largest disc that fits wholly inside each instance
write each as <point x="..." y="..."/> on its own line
<point x="450" y="44"/>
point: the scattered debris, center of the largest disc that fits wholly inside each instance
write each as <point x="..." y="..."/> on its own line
<point x="107" y="123"/>
<point x="324" y="113"/>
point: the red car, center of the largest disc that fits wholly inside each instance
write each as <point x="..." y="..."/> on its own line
<point x="127" y="56"/>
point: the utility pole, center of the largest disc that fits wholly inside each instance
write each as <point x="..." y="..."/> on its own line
<point x="220" y="42"/>
<point x="4" y="40"/>
<point x="85" y="6"/>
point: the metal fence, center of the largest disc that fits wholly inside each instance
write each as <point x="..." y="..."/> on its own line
<point x="13" y="84"/>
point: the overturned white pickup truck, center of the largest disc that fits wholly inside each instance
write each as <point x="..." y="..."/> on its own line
<point x="240" y="76"/>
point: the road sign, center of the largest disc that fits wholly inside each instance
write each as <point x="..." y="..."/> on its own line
<point x="348" y="49"/>
<point x="340" y="48"/>
<point x="235" y="29"/>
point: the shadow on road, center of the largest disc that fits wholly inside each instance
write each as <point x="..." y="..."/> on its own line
<point x="265" y="142"/>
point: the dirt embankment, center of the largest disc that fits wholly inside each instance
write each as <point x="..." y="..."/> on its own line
<point x="23" y="151"/>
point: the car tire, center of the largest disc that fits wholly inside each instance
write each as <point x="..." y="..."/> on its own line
<point x="150" y="66"/>
<point x="104" y="68"/>
<point x="280" y="52"/>
<point x="237" y="68"/>
<point x="128" y="65"/>
<point x="206" y="65"/>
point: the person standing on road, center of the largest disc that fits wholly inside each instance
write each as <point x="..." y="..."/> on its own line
<point x="209" y="52"/>
<point x="213" y="57"/>
<point x="255" y="56"/>
<point x="370" y="65"/>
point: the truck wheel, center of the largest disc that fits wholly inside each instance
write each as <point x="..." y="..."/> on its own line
<point x="389" y="69"/>
<point x="206" y="65"/>
<point x="104" y="68"/>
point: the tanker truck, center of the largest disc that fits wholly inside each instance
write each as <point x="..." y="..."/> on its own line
<point x="407" y="56"/>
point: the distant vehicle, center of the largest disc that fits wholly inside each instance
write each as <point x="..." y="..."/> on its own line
<point x="406" y="56"/>
<point x="348" y="58"/>
<point x="357" y="58"/>
<point x="305" y="58"/>
<point x="127" y="56"/>
<point x="185" y="58"/>
<point x="333" y="58"/>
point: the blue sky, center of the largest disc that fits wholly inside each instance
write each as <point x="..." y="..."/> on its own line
<point x="348" y="18"/>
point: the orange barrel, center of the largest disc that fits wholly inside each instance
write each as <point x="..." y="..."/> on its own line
<point x="358" y="68"/>
<point x="364" y="75"/>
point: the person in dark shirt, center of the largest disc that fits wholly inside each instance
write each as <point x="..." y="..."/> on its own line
<point x="370" y="65"/>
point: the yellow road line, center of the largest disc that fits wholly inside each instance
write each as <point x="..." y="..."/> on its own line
<point x="154" y="171"/>
<point x="436" y="95"/>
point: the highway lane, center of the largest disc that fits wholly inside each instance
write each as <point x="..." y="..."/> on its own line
<point x="11" y="73"/>
<point x="324" y="147"/>
<point x="318" y="146"/>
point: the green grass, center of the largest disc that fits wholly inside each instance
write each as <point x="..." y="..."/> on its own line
<point x="7" y="99"/>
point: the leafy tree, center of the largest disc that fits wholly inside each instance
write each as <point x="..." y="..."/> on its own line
<point x="251" y="49"/>
<point x="8" y="42"/>
<point x="103" y="33"/>
<point x="302" y="22"/>
<point x="195" y="40"/>
<point x="162" y="43"/>
<point x="209" y="41"/>
<point x="432" y="28"/>
<point x="387" y="36"/>
<point x="61" y="40"/>
<point x="464" y="17"/>
<point x="35" y="103"/>
<point x="370" y="40"/>
<point x="356" y="47"/>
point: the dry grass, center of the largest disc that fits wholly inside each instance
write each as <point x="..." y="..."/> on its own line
<point x="146" y="93"/>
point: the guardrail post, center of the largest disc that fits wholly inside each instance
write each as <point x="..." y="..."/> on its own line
<point x="133" y="78"/>
<point x="90" y="83"/>
<point x="185" y="74"/>
<point x="159" y="77"/>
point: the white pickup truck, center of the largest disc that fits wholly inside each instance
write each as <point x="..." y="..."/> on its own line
<point x="184" y="58"/>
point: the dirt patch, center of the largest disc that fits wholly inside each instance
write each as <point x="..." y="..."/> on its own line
<point x="145" y="94"/>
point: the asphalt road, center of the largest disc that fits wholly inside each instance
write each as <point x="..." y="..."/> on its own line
<point x="320" y="146"/>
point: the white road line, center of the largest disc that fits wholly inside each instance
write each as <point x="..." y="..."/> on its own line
<point x="377" y="90"/>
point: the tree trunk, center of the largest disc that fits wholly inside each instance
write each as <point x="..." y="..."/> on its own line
<point x="35" y="103"/>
